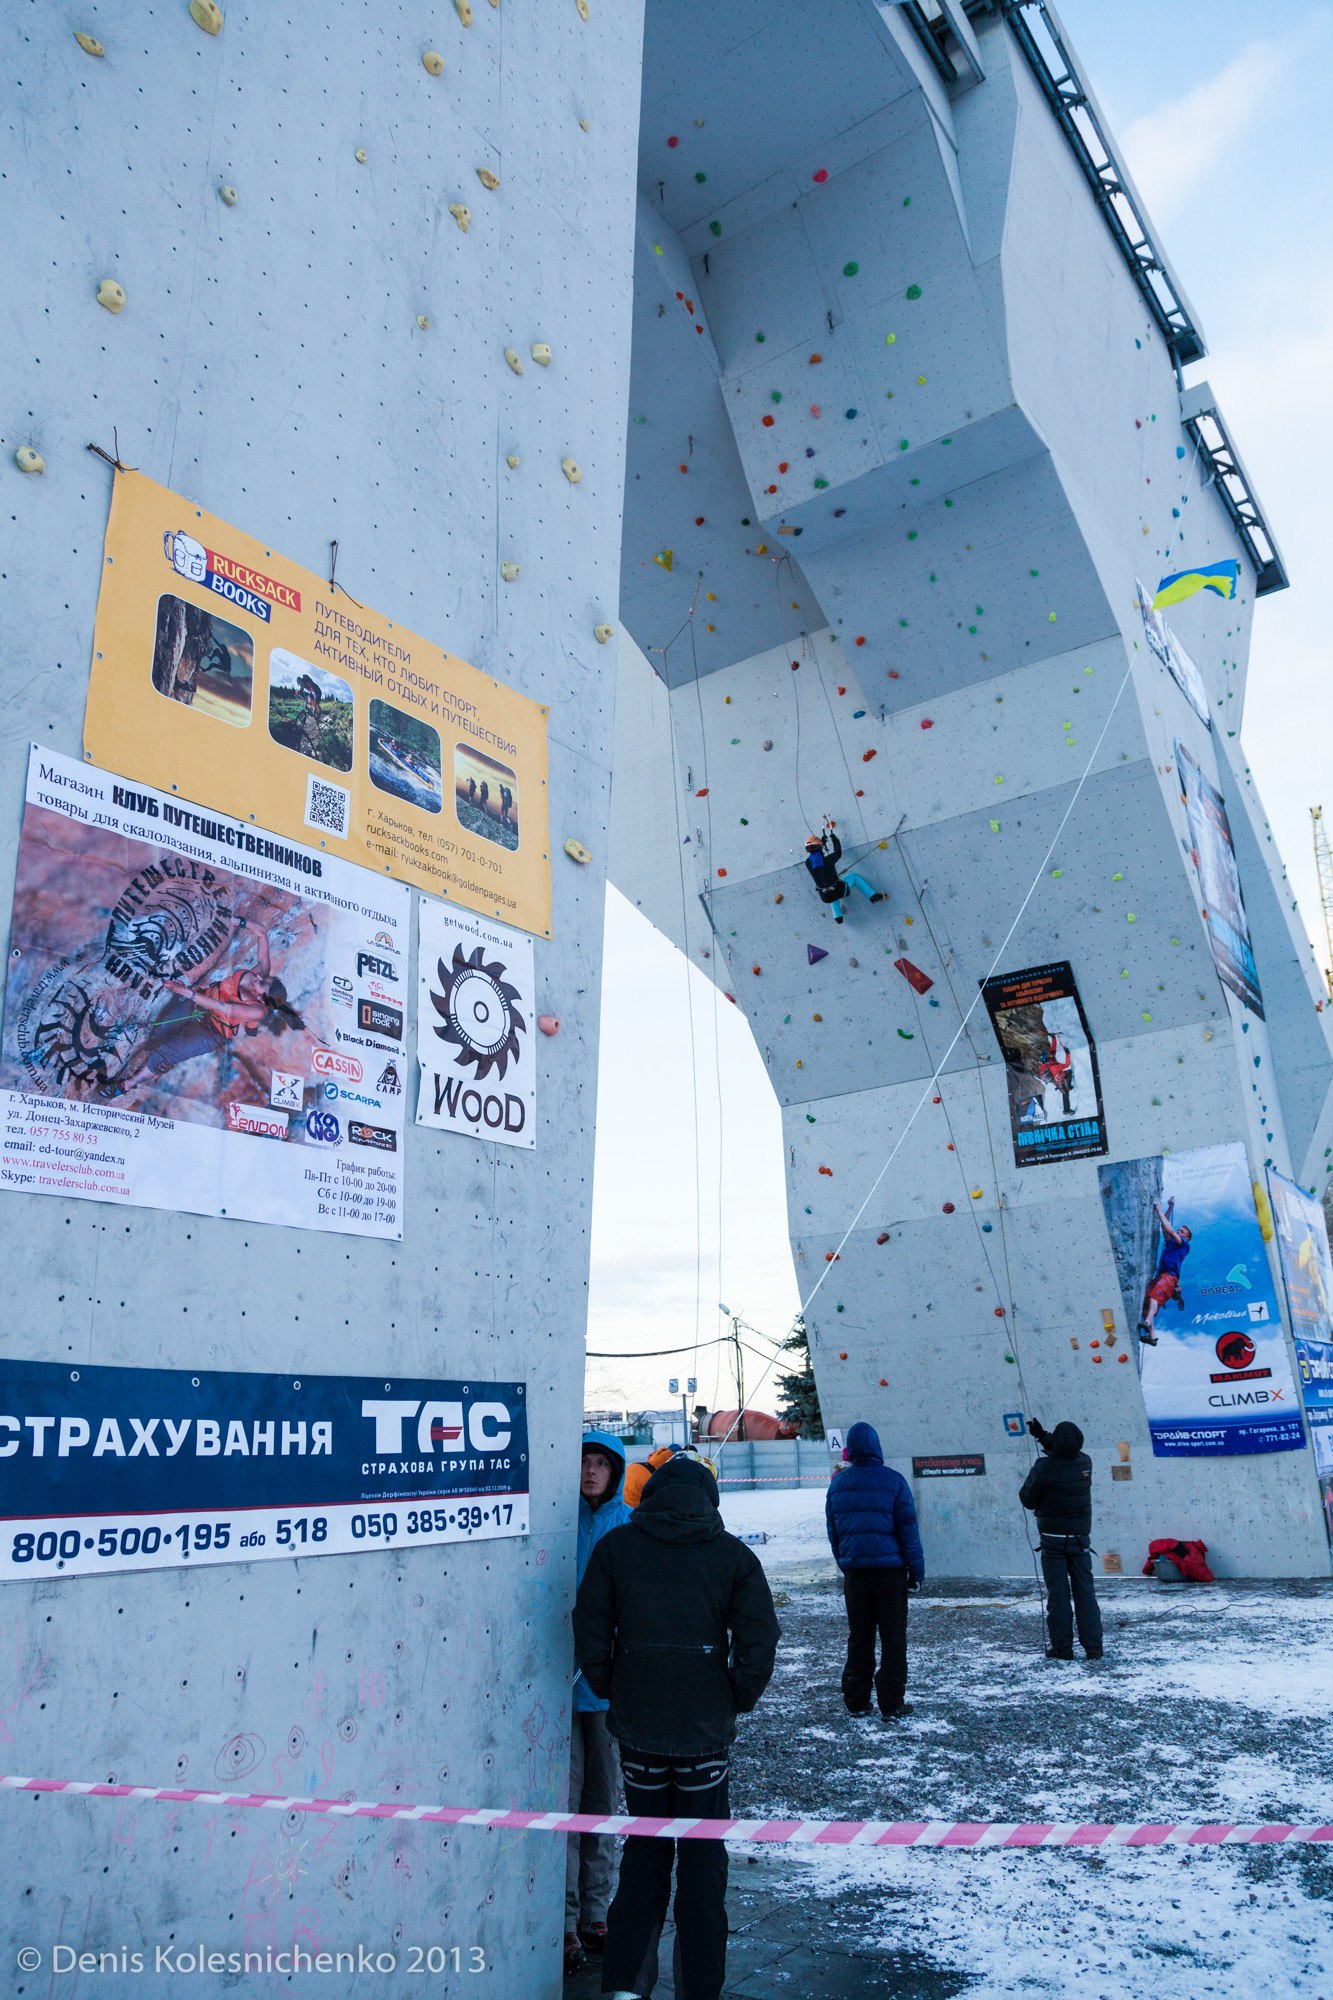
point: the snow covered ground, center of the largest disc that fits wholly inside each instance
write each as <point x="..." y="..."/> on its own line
<point x="1212" y="1704"/>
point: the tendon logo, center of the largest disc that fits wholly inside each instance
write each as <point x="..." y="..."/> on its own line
<point x="237" y="582"/>
<point x="264" y="1122"/>
<point x="476" y="1008"/>
<point x="1235" y="1350"/>
<point x="437" y="1427"/>
<point x="333" y="1062"/>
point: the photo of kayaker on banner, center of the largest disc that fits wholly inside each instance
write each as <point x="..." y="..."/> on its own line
<point x="405" y="756"/>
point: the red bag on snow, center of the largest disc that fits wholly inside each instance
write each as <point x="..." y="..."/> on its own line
<point x="1188" y="1558"/>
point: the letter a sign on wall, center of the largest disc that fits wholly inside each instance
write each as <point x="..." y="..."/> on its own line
<point x="476" y="1025"/>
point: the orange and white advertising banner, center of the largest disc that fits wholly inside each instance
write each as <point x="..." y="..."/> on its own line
<point x="225" y="673"/>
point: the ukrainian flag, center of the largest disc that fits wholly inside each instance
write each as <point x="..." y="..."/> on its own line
<point x="1221" y="577"/>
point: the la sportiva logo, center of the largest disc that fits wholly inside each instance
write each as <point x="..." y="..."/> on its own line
<point x="1235" y="1350"/>
<point x="477" y="1010"/>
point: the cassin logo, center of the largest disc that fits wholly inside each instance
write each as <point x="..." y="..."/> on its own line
<point x="476" y="1006"/>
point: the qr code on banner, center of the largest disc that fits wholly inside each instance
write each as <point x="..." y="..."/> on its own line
<point x="326" y="806"/>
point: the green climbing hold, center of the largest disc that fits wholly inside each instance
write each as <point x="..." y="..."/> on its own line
<point x="1034" y="572"/>
<point x="914" y="291"/>
<point x="850" y="270"/>
<point x="701" y="177"/>
<point x="775" y="395"/>
<point x="907" y="201"/>
<point x="890" y="339"/>
<point x="821" y="482"/>
<point x="759" y="337"/>
<point x="1057" y="873"/>
<point x="911" y="536"/>
<point x="905" y="1036"/>
<point x="948" y="503"/>
<point x="716" y="228"/>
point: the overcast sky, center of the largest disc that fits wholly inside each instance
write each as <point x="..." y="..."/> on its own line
<point x="1220" y="109"/>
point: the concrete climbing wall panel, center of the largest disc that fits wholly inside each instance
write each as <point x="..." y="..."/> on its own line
<point x="324" y="359"/>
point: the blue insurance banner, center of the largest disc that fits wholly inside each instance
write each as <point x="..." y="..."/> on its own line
<point x="105" y="1469"/>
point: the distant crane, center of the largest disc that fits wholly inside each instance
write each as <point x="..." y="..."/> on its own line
<point x="1323" y="861"/>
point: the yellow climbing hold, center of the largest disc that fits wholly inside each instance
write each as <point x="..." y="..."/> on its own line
<point x="463" y="9"/>
<point x="88" y="43"/>
<point x="584" y="125"/>
<point x="459" y="210"/>
<point x="665" y="559"/>
<point x="206" y="14"/>
<point x="571" y="471"/>
<point x="601" y="633"/>
<point x="422" y="321"/>
<point x="360" y="156"/>
<point x="228" y="195"/>
<point x="511" y="356"/>
<point x="111" y="295"/>
<point x="511" y="571"/>
<point x="513" y="461"/>
<point x="541" y="353"/>
<point x="488" y="179"/>
<point x="584" y="9"/>
<point x="577" y="852"/>
<point x="976" y="1194"/>
<point x="433" y="62"/>
<point x="28" y="459"/>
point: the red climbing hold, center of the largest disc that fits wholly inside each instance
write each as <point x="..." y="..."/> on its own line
<point x="843" y="1355"/>
<point x="842" y="690"/>
<point x="866" y="755"/>
<point x="756" y="970"/>
<point x="860" y="639"/>
<point x="682" y="468"/>
<point x="770" y="489"/>
<point x="673" y="141"/>
<point x="948" y="1208"/>
<point x="815" y="360"/>
<point x="782" y="465"/>
<point x="768" y="421"/>
<point x="702" y="792"/>
<point x="894" y="675"/>
<point x="820" y="174"/>
<point x="915" y="977"/>
<point x="883" y="1381"/>
<point x="698" y="520"/>
<point x="831" y="1257"/>
<point x="732" y="998"/>
<point x="859" y="793"/>
<point x="795" y="666"/>
<point x="721" y="871"/>
<point x="883" y="1237"/>
<point x="926" y="722"/>
<point x="828" y="1171"/>
<point x="999" y="1312"/>
<point x="934" y="1100"/>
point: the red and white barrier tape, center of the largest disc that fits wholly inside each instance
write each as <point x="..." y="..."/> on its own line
<point x="791" y="1832"/>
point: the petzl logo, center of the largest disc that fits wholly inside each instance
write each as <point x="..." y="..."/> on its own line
<point x="247" y="588"/>
<point x="1235" y="1350"/>
<point x="333" y="1062"/>
<point x="477" y="1010"/>
<point x="379" y="968"/>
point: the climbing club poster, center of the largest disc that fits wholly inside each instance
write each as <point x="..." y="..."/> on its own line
<point x="1164" y="644"/>
<point x="226" y="673"/>
<point x="475" y="1028"/>
<point x="1214" y="859"/>
<point x="199" y="1016"/>
<point x="1050" y="1060"/>
<point x="1194" y="1278"/>
<point x="1307" y="1275"/>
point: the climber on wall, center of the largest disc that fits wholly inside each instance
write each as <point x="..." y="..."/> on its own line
<point x="822" y="855"/>
<point x="1166" y="1282"/>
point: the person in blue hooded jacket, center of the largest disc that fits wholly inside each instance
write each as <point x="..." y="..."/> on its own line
<point x="871" y="1520"/>
<point x="594" y="1764"/>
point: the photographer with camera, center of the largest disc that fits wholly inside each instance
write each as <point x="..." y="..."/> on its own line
<point x="1058" y="1490"/>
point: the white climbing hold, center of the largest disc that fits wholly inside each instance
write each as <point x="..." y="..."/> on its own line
<point x="111" y="295"/>
<point x="487" y="178"/>
<point x="584" y="126"/>
<point x="601" y="633"/>
<point x="462" y="215"/>
<point x="571" y="471"/>
<point x="513" y="461"/>
<point x="360" y="156"/>
<point x="541" y="353"/>
<point x="228" y="195"/>
<point x="88" y="43"/>
<point x="28" y="459"/>
<point x="206" y="14"/>
<point x="422" y="321"/>
<point x="511" y="356"/>
<point x="511" y="571"/>
<point x="463" y="9"/>
<point x="433" y="62"/>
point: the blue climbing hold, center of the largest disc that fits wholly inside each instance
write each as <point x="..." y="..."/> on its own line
<point x="857" y="713"/>
<point x="814" y="953"/>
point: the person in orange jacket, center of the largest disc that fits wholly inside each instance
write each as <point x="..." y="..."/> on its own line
<point x="637" y="1476"/>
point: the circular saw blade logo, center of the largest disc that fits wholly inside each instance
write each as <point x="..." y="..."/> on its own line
<point x="477" y="1010"/>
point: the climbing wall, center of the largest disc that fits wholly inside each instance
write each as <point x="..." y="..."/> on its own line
<point x="328" y="227"/>
<point x="902" y="436"/>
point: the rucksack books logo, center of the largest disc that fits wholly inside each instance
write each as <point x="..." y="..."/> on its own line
<point x="476" y="1007"/>
<point x="250" y="589"/>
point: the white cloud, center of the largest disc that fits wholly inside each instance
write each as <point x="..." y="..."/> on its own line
<point x="1170" y="151"/>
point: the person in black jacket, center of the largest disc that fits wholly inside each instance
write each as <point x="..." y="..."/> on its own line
<point x="674" y="1624"/>
<point x="822" y="855"/>
<point x="1058" y="1490"/>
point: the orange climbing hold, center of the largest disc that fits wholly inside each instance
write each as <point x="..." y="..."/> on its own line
<point x="721" y="871"/>
<point x="702" y="792"/>
<point x="815" y="360"/>
<point x="866" y="755"/>
<point x="767" y="422"/>
<point x="843" y="1355"/>
<point x="842" y="690"/>
<point x="782" y="465"/>
<point x="756" y="970"/>
<point x="828" y="1171"/>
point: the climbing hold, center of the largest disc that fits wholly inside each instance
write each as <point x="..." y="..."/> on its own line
<point x="850" y="270"/>
<point x="549" y="1024"/>
<point x="721" y="871"/>
<point x="814" y="953"/>
<point x="511" y="356"/>
<point x="601" y="633"/>
<point x="913" y="292"/>
<point x="890" y="339"/>
<point x="674" y="140"/>
<point x="926" y="721"/>
<point x="883" y="1236"/>
<point x="88" y="43"/>
<point x="228" y="195"/>
<point x="860" y="639"/>
<point x="111" y="295"/>
<point x="577" y="851"/>
<point x="903" y="1034"/>
<point x="821" y="483"/>
<point x="828" y="1171"/>
<point x="541" y="353"/>
<point x="849" y="413"/>
<point x="459" y="210"/>
<point x="919" y="981"/>
<point x="866" y="755"/>
<point x="422" y="321"/>
<point x="815" y="360"/>
<point x="716" y="228"/>
<point x="857" y="713"/>
<point x="948" y="1207"/>
<point x="999" y="1314"/>
<point x="820" y="175"/>
<point x="985" y="1228"/>
<point x="513" y="461"/>
<point x="432" y="62"/>
<point x="768" y="422"/>
<point x="767" y="743"/>
<point x="488" y="179"/>
<point x="463" y="9"/>
<point x="510" y="571"/>
<point x="583" y="123"/>
<point x="843" y="1355"/>
<point x="28" y="459"/>
<point x="571" y="471"/>
<point x="816" y="1017"/>
<point x="206" y="14"/>
<point x="360" y="157"/>
<point x="664" y="559"/>
<point x="584" y="9"/>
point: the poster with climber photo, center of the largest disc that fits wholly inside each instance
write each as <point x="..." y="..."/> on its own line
<point x="1307" y="1275"/>
<point x="1050" y="1060"/>
<point x="1200" y="1304"/>
<point x="476" y="1028"/>
<point x="1214" y="858"/>
<point x="226" y="673"/>
<point x="197" y="1015"/>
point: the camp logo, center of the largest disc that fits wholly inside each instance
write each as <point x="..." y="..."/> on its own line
<point x="477" y="1012"/>
<point x="390" y="1084"/>
<point x="249" y="589"/>
<point x="334" y="1062"/>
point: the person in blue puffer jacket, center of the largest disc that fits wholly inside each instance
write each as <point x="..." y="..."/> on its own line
<point x="594" y="1763"/>
<point x="871" y="1520"/>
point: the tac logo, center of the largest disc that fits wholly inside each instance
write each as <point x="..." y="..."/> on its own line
<point x="323" y="1128"/>
<point x="379" y="968"/>
<point x="1235" y="1350"/>
<point x="438" y="1426"/>
<point x="247" y="588"/>
<point x="477" y="1009"/>
<point x="334" y="1062"/>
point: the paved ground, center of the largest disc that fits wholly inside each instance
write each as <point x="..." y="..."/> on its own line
<point x="1212" y="1703"/>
